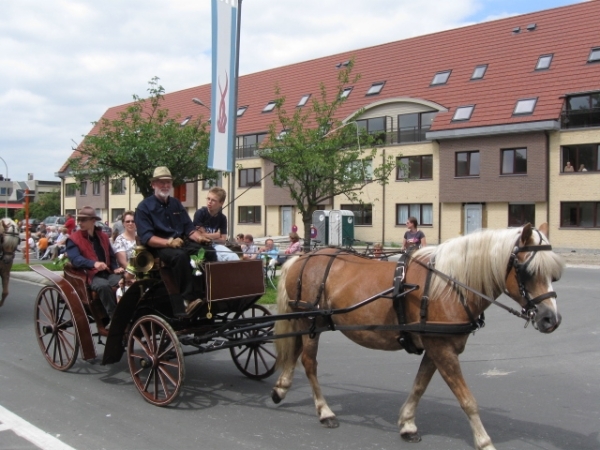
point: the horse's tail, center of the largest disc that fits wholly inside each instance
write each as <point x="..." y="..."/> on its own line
<point x="286" y="346"/>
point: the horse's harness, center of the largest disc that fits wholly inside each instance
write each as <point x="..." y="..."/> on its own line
<point x="401" y="289"/>
<point x="3" y="253"/>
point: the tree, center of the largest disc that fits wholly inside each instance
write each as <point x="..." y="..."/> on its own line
<point x="317" y="157"/>
<point x="47" y="204"/>
<point x="143" y="137"/>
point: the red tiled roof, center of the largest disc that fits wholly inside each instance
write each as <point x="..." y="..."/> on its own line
<point x="408" y="66"/>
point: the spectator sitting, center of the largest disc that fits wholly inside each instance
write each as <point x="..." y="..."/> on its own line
<point x="30" y="243"/>
<point x="239" y="238"/>
<point x="251" y="251"/>
<point x="42" y="244"/>
<point x="295" y="247"/>
<point x="378" y="252"/>
<point x="125" y="242"/>
<point x="268" y="253"/>
<point x="59" y="245"/>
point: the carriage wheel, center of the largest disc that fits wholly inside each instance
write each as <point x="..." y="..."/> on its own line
<point x="256" y="360"/>
<point x="54" y="329"/>
<point x="155" y="360"/>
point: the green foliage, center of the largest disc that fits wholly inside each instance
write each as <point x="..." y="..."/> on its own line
<point x="143" y="137"/>
<point x="48" y="204"/>
<point x="319" y="157"/>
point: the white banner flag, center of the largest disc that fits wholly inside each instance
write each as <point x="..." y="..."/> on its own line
<point x="224" y="84"/>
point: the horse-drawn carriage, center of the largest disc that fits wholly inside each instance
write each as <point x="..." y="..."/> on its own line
<point x="428" y="303"/>
<point x="69" y="315"/>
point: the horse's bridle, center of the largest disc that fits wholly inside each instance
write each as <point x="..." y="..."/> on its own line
<point x="530" y="308"/>
<point x="10" y="233"/>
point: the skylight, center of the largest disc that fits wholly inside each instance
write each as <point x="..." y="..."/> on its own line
<point x="346" y="92"/>
<point x="463" y="112"/>
<point x="594" y="55"/>
<point x="543" y="62"/>
<point x="270" y="106"/>
<point x="303" y="100"/>
<point x="441" y="78"/>
<point x="479" y="72"/>
<point x="185" y="121"/>
<point x="375" y="88"/>
<point x="241" y="110"/>
<point x="525" y="106"/>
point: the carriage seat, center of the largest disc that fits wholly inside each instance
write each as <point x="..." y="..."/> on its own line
<point x="78" y="279"/>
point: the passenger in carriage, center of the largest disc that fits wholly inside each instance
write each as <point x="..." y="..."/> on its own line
<point x="89" y="249"/>
<point x="162" y="225"/>
<point x="212" y="223"/>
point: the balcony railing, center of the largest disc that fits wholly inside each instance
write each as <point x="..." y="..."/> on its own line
<point x="584" y="118"/>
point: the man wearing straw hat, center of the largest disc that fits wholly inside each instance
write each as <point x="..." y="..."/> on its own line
<point x="162" y="225"/>
<point x="89" y="249"/>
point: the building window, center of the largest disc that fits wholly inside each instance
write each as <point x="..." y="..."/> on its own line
<point x="363" y="213"/>
<point x="519" y="215"/>
<point x="582" y="158"/>
<point x="467" y="164"/>
<point x="346" y="92"/>
<point x="117" y="186"/>
<point x="249" y="214"/>
<point x="580" y="214"/>
<point x="582" y="111"/>
<point x="544" y="62"/>
<point x="70" y="189"/>
<point x="70" y="211"/>
<point x="415" y="168"/>
<point x="207" y="184"/>
<point x="413" y="127"/>
<point x="185" y="121"/>
<point x="241" y="110"/>
<point x="463" y="113"/>
<point x="423" y="212"/>
<point x="441" y="78"/>
<point x="514" y="161"/>
<point x="361" y="169"/>
<point x="83" y="188"/>
<point x="115" y="213"/>
<point x="376" y="88"/>
<point x="249" y="177"/>
<point x="594" y="55"/>
<point x="303" y="101"/>
<point x="270" y="106"/>
<point x="248" y="145"/>
<point x="375" y="127"/>
<point x="479" y="72"/>
<point x="525" y="106"/>
<point x="96" y="188"/>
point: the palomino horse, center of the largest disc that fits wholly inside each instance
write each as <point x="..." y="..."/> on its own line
<point x="9" y="240"/>
<point x="461" y="277"/>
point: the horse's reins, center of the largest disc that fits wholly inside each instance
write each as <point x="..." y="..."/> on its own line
<point x="10" y="233"/>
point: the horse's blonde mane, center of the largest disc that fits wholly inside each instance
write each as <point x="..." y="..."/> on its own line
<point x="480" y="261"/>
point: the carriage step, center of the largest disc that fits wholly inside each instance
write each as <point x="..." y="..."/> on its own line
<point x="200" y="343"/>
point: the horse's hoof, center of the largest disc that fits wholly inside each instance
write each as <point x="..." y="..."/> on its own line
<point x="411" y="437"/>
<point x="275" y="397"/>
<point x="330" y="422"/>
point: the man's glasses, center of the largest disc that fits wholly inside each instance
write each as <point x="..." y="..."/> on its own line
<point x="128" y="221"/>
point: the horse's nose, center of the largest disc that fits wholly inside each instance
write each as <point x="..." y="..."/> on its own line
<point x="547" y="320"/>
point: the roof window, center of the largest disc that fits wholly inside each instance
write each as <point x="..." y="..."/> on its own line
<point x="185" y="121"/>
<point x="241" y="110"/>
<point x="346" y="92"/>
<point x="544" y="62"/>
<point x="375" y="88"/>
<point x="441" y="78"/>
<point x="270" y="106"/>
<point x="479" y="72"/>
<point x="303" y="101"/>
<point x="463" y="112"/>
<point x="594" y="55"/>
<point x="525" y="106"/>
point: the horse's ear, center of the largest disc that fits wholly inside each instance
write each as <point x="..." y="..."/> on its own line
<point x="526" y="234"/>
<point x="544" y="228"/>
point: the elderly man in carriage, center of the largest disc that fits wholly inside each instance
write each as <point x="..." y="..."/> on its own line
<point x="164" y="226"/>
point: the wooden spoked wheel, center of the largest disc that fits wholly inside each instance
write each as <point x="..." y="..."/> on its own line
<point x="256" y="359"/>
<point x="54" y="329"/>
<point x="155" y="360"/>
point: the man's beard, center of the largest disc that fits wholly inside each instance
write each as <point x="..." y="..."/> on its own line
<point x="161" y="193"/>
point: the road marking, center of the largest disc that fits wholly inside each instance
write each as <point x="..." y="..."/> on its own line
<point x="22" y="428"/>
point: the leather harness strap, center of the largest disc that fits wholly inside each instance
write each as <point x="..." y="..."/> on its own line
<point x="315" y="303"/>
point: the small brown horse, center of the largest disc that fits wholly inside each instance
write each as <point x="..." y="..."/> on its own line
<point x="463" y="271"/>
<point x="9" y="241"/>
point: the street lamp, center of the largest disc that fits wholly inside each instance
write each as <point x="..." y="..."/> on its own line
<point x="197" y="101"/>
<point x="6" y="204"/>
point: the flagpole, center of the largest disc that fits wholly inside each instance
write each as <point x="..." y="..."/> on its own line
<point x="234" y="147"/>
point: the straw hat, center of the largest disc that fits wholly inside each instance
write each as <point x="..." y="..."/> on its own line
<point x="88" y="212"/>
<point x="161" y="173"/>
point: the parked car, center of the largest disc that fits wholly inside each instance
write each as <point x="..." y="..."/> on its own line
<point x="33" y="224"/>
<point x="55" y="221"/>
<point x="104" y="227"/>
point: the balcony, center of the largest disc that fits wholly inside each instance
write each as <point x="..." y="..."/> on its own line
<point x="581" y="118"/>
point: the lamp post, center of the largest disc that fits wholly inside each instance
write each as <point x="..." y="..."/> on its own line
<point x="6" y="204"/>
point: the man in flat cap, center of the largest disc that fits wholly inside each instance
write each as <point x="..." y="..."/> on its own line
<point x="89" y="249"/>
<point x="162" y="225"/>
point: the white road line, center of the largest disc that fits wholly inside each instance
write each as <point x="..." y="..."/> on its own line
<point x="22" y="428"/>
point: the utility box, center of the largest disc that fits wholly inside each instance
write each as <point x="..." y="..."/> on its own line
<point x="341" y="227"/>
<point x="320" y="228"/>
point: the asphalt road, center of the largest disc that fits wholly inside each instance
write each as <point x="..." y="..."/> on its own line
<point x="534" y="391"/>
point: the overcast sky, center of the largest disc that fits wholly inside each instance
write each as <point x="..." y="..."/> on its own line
<point x="64" y="62"/>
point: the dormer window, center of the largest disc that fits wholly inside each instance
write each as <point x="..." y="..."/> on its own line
<point x="241" y="110"/>
<point x="270" y="106"/>
<point x="544" y="62"/>
<point x="479" y="72"/>
<point x="303" y="101"/>
<point x="594" y="55"/>
<point x="346" y="92"/>
<point x="441" y="78"/>
<point x="525" y="106"/>
<point x="375" y="88"/>
<point x="463" y="113"/>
